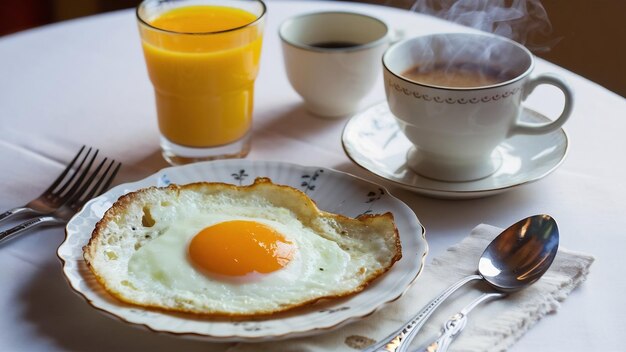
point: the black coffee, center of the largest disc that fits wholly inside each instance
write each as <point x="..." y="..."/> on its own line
<point x="335" y="45"/>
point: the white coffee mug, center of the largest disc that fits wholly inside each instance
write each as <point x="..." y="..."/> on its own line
<point x="457" y="96"/>
<point x="332" y="58"/>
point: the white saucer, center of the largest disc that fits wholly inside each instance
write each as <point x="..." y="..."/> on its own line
<point x="373" y="141"/>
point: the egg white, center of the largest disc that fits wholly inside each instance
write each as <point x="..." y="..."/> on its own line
<point x="162" y="267"/>
<point x="139" y="250"/>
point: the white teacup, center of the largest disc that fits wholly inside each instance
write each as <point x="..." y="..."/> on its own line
<point x="331" y="58"/>
<point x="457" y="96"/>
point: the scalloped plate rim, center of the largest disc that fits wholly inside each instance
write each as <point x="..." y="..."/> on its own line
<point x="320" y="328"/>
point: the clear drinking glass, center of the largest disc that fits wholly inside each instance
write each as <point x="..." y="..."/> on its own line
<point x="203" y="58"/>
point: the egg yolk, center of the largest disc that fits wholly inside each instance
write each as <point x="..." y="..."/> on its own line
<point x="240" y="247"/>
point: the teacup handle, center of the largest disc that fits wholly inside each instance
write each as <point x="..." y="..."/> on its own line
<point x="534" y="128"/>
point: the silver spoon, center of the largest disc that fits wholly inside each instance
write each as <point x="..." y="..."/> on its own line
<point x="518" y="257"/>
<point x="453" y="327"/>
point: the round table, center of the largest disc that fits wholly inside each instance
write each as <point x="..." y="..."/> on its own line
<point x="84" y="82"/>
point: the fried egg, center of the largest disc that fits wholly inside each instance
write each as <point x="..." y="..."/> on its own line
<point x="219" y="249"/>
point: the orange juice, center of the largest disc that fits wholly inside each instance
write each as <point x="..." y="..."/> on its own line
<point x="202" y="61"/>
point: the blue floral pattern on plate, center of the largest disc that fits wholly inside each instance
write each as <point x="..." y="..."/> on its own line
<point x="327" y="187"/>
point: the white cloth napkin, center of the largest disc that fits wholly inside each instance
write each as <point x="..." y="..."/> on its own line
<point x="492" y="326"/>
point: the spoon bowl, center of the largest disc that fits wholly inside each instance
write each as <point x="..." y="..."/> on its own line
<point x="521" y="254"/>
<point x="515" y="259"/>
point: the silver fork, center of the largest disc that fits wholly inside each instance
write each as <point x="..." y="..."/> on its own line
<point x="60" y="190"/>
<point x="93" y="186"/>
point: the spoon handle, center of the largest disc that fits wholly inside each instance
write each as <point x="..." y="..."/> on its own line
<point x="453" y="327"/>
<point x="399" y="340"/>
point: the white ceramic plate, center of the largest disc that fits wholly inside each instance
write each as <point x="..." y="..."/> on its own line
<point x="333" y="191"/>
<point x="373" y="140"/>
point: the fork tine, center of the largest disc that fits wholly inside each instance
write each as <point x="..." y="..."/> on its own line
<point x="107" y="183"/>
<point x="76" y="201"/>
<point x="62" y="188"/>
<point x="96" y="188"/>
<point x="76" y="185"/>
<point x="66" y="171"/>
<point x="97" y="183"/>
<point x="102" y="183"/>
<point x="76" y="196"/>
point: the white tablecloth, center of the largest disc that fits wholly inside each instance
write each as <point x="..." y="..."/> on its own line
<point x="84" y="82"/>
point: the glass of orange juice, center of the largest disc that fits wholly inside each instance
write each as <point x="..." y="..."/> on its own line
<point x="202" y="58"/>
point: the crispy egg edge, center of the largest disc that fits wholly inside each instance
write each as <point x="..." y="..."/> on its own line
<point x="118" y="208"/>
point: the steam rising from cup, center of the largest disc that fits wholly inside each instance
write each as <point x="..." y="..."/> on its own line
<point x="524" y="21"/>
<point x="480" y="63"/>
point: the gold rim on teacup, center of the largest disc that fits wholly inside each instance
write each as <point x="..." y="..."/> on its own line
<point x="455" y="128"/>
